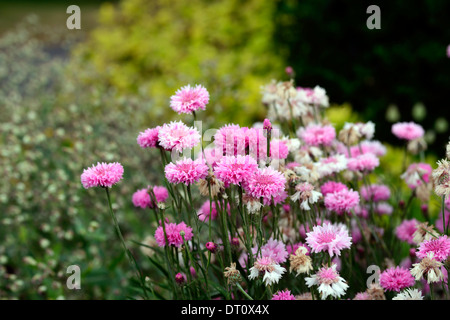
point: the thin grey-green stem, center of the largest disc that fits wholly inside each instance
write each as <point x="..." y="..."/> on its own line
<point x="243" y="291"/>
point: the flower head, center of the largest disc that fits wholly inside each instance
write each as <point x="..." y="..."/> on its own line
<point x="177" y="136"/>
<point x="265" y="183"/>
<point x="306" y="194"/>
<point x="186" y="171"/>
<point x="235" y="169"/>
<point x="173" y="232"/>
<point x="363" y="162"/>
<point x="396" y="279"/>
<point x="417" y="174"/>
<point x="375" y="192"/>
<point x="102" y="175"/>
<point x="409" y="294"/>
<point x="441" y="178"/>
<point x="331" y="238"/>
<point x="271" y="271"/>
<point x="232" y="274"/>
<point x="407" y="130"/>
<point x="283" y="295"/>
<point x="300" y="261"/>
<point x="329" y="282"/>
<point x="342" y="201"/>
<point x="331" y="187"/>
<point x="274" y="249"/>
<point x="317" y="135"/>
<point x="148" y="138"/>
<point x="428" y="267"/>
<point x="141" y="198"/>
<point x="439" y="246"/>
<point x="405" y="231"/>
<point x="189" y="99"/>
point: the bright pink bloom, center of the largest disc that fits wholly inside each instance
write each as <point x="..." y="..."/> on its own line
<point x="180" y="278"/>
<point x="331" y="238"/>
<point x="102" y="175"/>
<point x="363" y="162"/>
<point x="273" y="249"/>
<point x="189" y="99"/>
<point x="186" y="171"/>
<point x="230" y="140"/>
<point x="439" y="246"/>
<point x="211" y="247"/>
<point x="332" y="186"/>
<point x="375" y="192"/>
<point x="141" y="198"/>
<point x="235" y="169"/>
<point x="407" y="130"/>
<point x="265" y="183"/>
<point x="267" y="125"/>
<point x="342" y="201"/>
<point x="148" y="138"/>
<point x="317" y="135"/>
<point x="278" y="149"/>
<point x="283" y="295"/>
<point x="174" y="237"/>
<point x="178" y="136"/>
<point x="396" y="279"/>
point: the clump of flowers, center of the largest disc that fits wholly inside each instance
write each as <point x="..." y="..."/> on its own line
<point x="173" y="232"/>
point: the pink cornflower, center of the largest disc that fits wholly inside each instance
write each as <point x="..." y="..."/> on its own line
<point x="148" y="138"/>
<point x="328" y="281"/>
<point x="173" y="231"/>
<point x="102" y="175"/>
<point x="235" y="169"/>
<point x="375" y="192"/>
<point x="205" y="214"/>
<point x="342" y="201"/>
<point x="407" y="130"/>
<point x="331" y="238"/>
<point x="180" y="278"/>
<point x="273" y="249"/>
<point x="265" y="183"/>
<point x="362" y="296"/>
<point x="372" y="146"/>
<point x="186" y="171"/>
<point x="283" y="295"/>
<point x="141" y="198"/>
<point x="396" y="279"/>
<point x="278" y="149"/>
<point x="317" y="135"/>
<point x="230" y="140"/>
<point x="417" y="174"/>
<point x="439" y="246"/>
<point x="292" y="165"/>
<point x="178" y="136"/>
<point x="189" y="99"/>
<point x="363" y="162"/>
<point x="332" y="186"/>
<point x="211" y="247"/>
<point x="267" y="125"/>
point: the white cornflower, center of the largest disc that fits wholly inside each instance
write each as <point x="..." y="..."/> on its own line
<point x="409" y="294"/>
<point x="272" y="271"/>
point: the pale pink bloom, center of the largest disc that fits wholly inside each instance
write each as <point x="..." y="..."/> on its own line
<point x="363" y="162"/>
<point x="271" y="271"/>
<point x="375" y="192"/>
<point x="256" y="142"/>
<point x="274" y="249"/>
<point x="317" y="135"/>
<point x="102" y="175"/>
<point x="265" y="183"/>
<point x="211" y="155"/>
<point x="332" y="186"/>
<point x="361" y="211"/>
<point x="416" y="174"/>
<point x="205" y="213"/>
<point x="148" y="138"/>
<point x="178" y="136"/>
<point x="329" y="282"/>
<point x="407" y="130"/>
<point x="141" y="198"/>
<point x="439" y="246"/>
<point x="362" y="296"/>
<point x="342" y="201"/>
<point x="189" y="99"/>
<point x="283" y="295"/>
<point x="186" y="171"/>
<point x="383" y="208"/>
<point x="278" y="149"/>
<point x="373" y="146"/>
<point x="331" y="238"/>
<point x="278" y="199"/>
<point x="235" y="169"/>
<point x="314" y="96"/>
<point x="396" y="279"/>
<point x="174" y="238"/>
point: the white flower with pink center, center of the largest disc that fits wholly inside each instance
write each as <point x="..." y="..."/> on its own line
<point x="306" y="194"/>
<point x="266" y="266"/>
<point x="329" y="282"/>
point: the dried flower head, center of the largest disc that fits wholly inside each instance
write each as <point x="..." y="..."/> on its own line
<point x="300" y="262"/>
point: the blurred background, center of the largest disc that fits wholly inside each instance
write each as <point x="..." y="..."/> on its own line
<point x="70" y="98"/>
